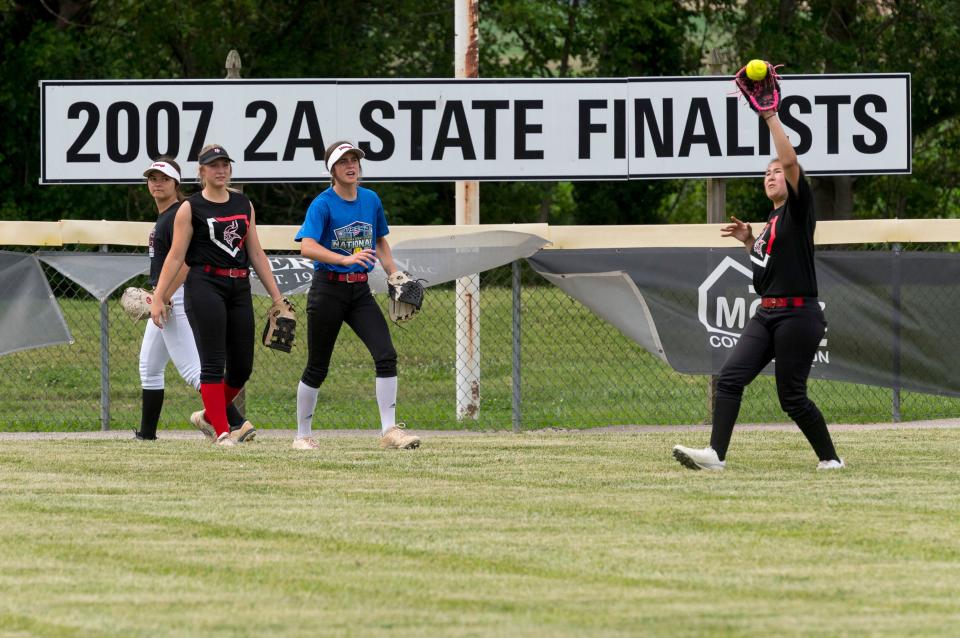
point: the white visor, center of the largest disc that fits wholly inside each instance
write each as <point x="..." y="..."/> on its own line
<point x="165" y="168"/>
<point x="340" y="151"/>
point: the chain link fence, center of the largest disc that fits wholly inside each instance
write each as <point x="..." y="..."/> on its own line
<point x="546" y="361"/>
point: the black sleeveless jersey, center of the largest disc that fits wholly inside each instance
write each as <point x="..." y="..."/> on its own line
<point x="161" y="238"/>
<point x="783" y="255"/>
<point x="219" y="232"/>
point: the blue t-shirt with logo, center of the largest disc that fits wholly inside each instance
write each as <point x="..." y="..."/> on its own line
<point x="344" y="227"/>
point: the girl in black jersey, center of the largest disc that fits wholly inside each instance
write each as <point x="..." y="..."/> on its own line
<point x="215" y="234"/>
<point x="788" y="325"/>
<point x="175" y="342"/>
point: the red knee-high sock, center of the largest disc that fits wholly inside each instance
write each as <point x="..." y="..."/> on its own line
<point x="215" y="406"/>
<point x="230" y="393"/>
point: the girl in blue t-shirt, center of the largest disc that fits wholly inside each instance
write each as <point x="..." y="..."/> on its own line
<point x="344" y="233"/>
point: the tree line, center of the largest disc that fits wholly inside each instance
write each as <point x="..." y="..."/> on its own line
<point x="128" y="39"/>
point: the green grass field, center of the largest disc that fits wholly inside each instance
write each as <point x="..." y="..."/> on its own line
<point x="577" y="372"/>
<point x="480" y="535"/>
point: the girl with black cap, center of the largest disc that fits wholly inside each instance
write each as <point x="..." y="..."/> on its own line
<point x="215" y="234"/>
<point x="175" y="342"/>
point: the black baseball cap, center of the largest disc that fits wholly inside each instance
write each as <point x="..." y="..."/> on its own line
<point x="215" y="153"/>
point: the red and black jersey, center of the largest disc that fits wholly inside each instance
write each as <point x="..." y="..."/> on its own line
<point x="782" y="256"/>
<point x="219" y="232"/>
<point x="161" y="238"/>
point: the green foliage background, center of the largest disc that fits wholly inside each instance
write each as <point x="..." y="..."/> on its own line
<point x="106" y="39"/>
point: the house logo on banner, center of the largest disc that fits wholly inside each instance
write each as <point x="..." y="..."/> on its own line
<point x="725" y="315"/>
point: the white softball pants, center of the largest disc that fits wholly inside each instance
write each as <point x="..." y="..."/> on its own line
<point x="174" y="342"/>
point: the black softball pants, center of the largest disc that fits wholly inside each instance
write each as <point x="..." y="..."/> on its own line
<point x="220" y="310"/>
<point x="330" y="304"/>
<point x="790" y="336"/>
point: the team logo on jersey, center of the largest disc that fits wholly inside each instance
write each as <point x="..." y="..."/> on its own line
<point x="763" y="246"/>
<point x="228" y="233"/>
<point x="352" y="238"/>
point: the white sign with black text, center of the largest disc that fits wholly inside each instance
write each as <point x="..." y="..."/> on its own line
<point x="106" y="131"/>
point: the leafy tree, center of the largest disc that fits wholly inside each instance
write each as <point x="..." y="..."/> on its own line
<point x="107" y="39"/>
<point x="519" y="38"/>
<point x="846" y="36"/>
<point x="595" y="38"/>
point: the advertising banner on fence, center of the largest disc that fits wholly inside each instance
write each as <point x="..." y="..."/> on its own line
<point x="432" y="260"/>
<point x="105" y="131"/>
<point x="891" y="316"/>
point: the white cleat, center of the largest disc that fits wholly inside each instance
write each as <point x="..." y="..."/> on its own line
<point x="203" y="425"/>
<point x="698" y="458"/>
<point x="306" y="443"/>
<point x="224" y="440"/>
<point x="832" y="464"/>
<point x="244" y="433"/>
<point x="396" y="438"/>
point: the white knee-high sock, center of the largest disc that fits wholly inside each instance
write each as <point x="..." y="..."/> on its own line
<point x="387" y="402"/>
<point x="306" y="404"/>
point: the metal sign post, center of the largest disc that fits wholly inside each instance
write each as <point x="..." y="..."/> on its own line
<point x="467" y="315"/>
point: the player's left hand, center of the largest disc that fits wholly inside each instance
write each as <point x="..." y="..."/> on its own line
<point x="281" y="325"/>
<point x="136" y="303"/>
<point x="405" y="296"/>
<point x="366" y="258"/>
<point x="763" y="95"/>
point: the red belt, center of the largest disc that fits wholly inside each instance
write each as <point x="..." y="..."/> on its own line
<point x="349" y="277"/>
<point x="233" y="273"/>
<point x="782" y="302"/>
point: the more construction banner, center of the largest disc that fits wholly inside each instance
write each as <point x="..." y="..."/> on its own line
<point x="891" y="316"/>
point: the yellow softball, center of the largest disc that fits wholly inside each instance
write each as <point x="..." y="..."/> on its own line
<point x="756" y="70"/>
